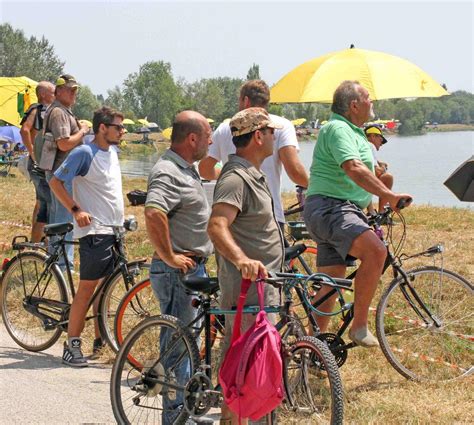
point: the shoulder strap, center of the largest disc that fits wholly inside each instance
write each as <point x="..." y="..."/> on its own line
<point x="246" y="283"/>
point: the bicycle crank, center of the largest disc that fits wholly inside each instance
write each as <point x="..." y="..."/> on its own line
<point x="337" y="346"/>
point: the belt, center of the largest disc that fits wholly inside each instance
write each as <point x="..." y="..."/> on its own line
<point x="196" y="258"/>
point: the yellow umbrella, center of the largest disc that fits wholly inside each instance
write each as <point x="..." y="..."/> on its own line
<point x="210" y="120"/>
<point x="89" y="124"/>
<point x="10" y="89"/>
<point x="167" y="133"/>
<point x="298" y="121"/>
<point x="127" y="121"/>
<point x="384" y="76"/>
<point x="143" y="121"/>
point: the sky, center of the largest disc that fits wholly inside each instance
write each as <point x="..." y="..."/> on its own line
<point x="102" y="42"/>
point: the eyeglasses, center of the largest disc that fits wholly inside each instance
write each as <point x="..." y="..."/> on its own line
<point x="119" y="127"/>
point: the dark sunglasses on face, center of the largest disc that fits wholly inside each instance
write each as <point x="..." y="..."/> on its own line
<point x="119" y="127"/>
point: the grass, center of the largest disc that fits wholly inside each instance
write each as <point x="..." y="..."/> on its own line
<point x="374" y="391"/>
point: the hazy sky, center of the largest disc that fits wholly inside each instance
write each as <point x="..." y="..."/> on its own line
<point x="102" y="41"/>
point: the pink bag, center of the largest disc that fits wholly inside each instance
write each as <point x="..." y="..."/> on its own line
<point x="251" y="373"/>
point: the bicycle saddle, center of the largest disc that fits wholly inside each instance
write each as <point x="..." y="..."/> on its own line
<point x="57" y="229"/>
<point x="293" y="251"/>
<point x="206" y="285"/>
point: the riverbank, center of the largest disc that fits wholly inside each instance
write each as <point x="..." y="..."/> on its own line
<point x="374" y="392"/>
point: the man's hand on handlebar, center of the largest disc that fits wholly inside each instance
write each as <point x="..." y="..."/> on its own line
<point x="399" y="201"/>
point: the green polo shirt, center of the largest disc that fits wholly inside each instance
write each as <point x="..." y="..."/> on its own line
<point x="339" y="141"/>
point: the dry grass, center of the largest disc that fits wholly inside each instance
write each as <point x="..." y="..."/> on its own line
<point x="375" y="393"/>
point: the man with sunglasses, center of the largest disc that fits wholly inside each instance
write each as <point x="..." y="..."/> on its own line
<point x="94" y="172"/>
<point x="67" y="133"/>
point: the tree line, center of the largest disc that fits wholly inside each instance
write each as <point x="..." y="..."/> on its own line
<point x="154" y="92"/>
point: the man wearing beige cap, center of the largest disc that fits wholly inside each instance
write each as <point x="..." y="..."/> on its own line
<point x="66" y="133"/>
<point x="243" y="226"/>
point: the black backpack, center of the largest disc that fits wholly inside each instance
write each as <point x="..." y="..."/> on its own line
<point x="137" y="197"/>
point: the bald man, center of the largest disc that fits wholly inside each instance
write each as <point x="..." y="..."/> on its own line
<point x="176" y="216"/>
<point x="31" y="126"/>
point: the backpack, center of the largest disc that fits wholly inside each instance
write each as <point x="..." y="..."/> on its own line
<point x="251" y="373"/>
<point x="137" y="197"/>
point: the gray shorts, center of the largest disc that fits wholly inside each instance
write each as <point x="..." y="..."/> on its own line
<point x="334" y="224"/>
<point x="97" y="256"/>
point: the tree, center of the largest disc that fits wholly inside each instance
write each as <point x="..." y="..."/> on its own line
<point x="206" y="97"/>
<point x="116" y="100"/>
<point x="254" y="72"/>
<point x="31" y="57"/>
<point x="152" y="92"/>
<point x="86" y="104"/>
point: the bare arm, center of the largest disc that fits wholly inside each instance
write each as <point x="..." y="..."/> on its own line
<point x="363" y="177"/>
<point x="28" y="133"/>
<point x="71" y="142"/>
<point x="223" y="215"/>
<point x="293" y="166"/>
<point x="157" y="227"/>
<point x="82" y="218"/>
<point x="207" y="168"/>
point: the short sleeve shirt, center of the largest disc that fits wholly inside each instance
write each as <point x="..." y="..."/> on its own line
<point x="62" y="123"/>
<point x="339" y="141"/>
<point x="255" y="228"/>
<point x="174" y="187"/>
<point x="96" y="185"/>
<point x="222" y="146"/>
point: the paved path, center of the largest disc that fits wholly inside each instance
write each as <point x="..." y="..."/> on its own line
<point x="36" y="388"/>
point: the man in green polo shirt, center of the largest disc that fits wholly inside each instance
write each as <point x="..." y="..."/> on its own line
<point x="341" y="185"/>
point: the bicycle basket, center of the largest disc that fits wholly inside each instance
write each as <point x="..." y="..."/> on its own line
<point x="298" y="230"/>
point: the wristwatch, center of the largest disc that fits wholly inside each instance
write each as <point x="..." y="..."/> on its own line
<point x="75" y="209"/>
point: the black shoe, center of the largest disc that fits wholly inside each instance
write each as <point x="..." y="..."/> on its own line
<point x="72" y="354"/>
<point x="97" y="348"/>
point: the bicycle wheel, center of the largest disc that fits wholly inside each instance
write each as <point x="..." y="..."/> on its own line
<point x="150" y="372"/>
<point x="312" y="383"/>
<point x="18" y="283"/>
<point x="114" y="290"/>
<point x="136" y="305"/>
<point x="421" y="350"/>
<point x="306" y="262"/>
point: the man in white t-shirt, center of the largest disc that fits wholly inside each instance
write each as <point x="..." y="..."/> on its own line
<point x="255" y="93"/>
<point x="96" y="203"/>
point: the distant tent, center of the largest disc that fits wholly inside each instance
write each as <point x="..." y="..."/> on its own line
<point x="16" y="95"/>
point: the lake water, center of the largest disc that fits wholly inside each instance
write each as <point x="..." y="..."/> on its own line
<point x="420" y="164"/>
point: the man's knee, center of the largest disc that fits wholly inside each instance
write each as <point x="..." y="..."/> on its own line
<point x="387" y="180"/>
<point x="368" y="247"/>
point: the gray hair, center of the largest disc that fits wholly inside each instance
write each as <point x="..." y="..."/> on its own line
<point x="43" y="87"/>
<point x="347" y="91"/>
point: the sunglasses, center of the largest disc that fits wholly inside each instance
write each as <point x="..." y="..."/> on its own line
<point x="119" y="127"/>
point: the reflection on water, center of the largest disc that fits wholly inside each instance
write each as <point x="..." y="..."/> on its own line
<point x="420" y="164"/>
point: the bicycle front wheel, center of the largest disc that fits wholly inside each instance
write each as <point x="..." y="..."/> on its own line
<point x="423" y="348"/>
<point x="312" y="383"/>
<point x="115" y="288"/>
<point x="151" y="371"/>
<point x="20" y="283"/>
<point x="136" y="305"/>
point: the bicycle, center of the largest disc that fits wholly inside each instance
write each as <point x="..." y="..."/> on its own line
<point x="148" y="381"/>
<point x="35" y="296"/>
<point x="424" y="319"/>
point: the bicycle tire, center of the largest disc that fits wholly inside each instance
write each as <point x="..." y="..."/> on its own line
<point x="309" y="266"/>
<point x="134" y="397"/>
<point x="422" y="352"/>
<point x="20" y="278"/>
<point x="113" y="292"/>
<point x="137" y="304"/>
<point x="312" y="382"/>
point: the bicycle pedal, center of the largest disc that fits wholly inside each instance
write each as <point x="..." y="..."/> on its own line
<point x="49" y="325"/>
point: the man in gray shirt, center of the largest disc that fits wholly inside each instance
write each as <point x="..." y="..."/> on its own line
<point x="243" y="226"/>
<point x="176" y="216"/>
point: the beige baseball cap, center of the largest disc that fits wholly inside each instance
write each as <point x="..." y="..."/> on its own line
<point x="249" y="120"/>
